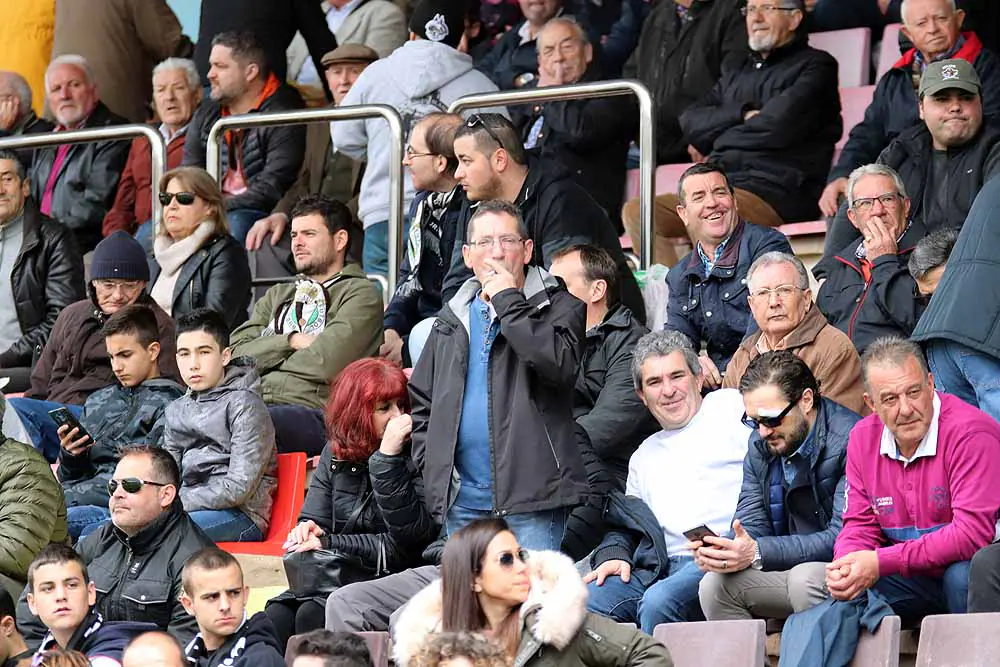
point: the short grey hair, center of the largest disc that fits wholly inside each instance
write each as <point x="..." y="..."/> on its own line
<point x="902" y="9"/>
<point x="932" y="251"/>
<point x="874" y="169"/>
<point x="571" y="23"/>
<point x="70" y="59"/>
<point x="662" y="344"/>
<point x="778" y="257"/>
<point x="890" y="351"/>
<point x="190" y="70"/>
<point x="22" y="91"/>
<point x="497" y="207"/>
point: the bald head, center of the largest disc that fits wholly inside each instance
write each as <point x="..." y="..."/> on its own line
<point x="154" y="649"/>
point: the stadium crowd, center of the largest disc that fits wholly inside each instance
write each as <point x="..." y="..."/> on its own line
<point x="508" y="466"/>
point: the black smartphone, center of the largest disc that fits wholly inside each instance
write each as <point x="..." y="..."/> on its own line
<point x="63" y="417"/>
<point x="699" y="534"/>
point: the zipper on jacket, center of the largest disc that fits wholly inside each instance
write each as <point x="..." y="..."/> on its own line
<point x="552" y="448"/>
<point x="861" y="301"/>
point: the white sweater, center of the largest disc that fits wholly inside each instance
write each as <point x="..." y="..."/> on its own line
<point x="692" y="476"/>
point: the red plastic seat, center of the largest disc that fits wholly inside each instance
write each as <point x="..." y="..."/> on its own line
<point x="667" y="176"/>
<point x="852" y="50"/>
<point x="888" y="53"/>
<point x="853" y="103"/>
<point x="19" y="394"/>
<point x="288" y="501"/>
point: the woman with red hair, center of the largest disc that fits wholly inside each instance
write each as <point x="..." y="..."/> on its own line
<point x="368" y="409"/>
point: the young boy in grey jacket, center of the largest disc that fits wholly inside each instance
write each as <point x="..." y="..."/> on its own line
<point x="221" y="434"/>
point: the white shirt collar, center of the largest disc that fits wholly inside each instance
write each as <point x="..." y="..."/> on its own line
<point x="927" y="446"/>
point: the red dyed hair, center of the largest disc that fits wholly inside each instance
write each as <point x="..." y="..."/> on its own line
<point x="349" y="412"/>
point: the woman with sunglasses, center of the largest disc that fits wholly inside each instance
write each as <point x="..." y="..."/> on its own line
<point x="533" y="605"/>
<point x="367" y="411"/>
<point x="194" y="262"/>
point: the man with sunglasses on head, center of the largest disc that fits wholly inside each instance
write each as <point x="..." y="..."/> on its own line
<point x="868" y="291"/>
<point x="136" y="559"/>
<point x="790" y="506"/>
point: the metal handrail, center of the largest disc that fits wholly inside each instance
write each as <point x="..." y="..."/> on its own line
<point x="213" y="155"/>
<point x="576" y="91"/>
<point x="109" y="133"/>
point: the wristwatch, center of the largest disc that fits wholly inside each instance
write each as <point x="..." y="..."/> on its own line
<point x="756" y="563"/>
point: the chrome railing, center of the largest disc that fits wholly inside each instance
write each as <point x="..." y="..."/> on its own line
<point x="576" y="91"/>
<point x="213" y="154"/>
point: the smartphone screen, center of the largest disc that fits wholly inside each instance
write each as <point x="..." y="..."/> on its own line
<point x="699" y="534"/>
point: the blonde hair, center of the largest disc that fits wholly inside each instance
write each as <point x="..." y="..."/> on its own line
<point x="198" y="181"/>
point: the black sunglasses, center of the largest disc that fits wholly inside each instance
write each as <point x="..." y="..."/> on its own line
<point x="475" y="120"/>
<point x="183" y="198"/>
<point x="506" y="558"/>
<point x="130" y="485"/>
<point x="770" y="422"/>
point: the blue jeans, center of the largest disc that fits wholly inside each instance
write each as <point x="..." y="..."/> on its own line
<point x="966" y="373"/>
<point x="240" y="222"/>
<point x="375" y="252"/>
<point x="670" y="600"/>
<point x="229" y="525"/>
<point x="912" y="598"/>
<point x="82" y="520"/>
<point x="535" y="531"/>
<point x="34" y="415"/>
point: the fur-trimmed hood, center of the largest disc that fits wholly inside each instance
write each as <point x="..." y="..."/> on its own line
<point x="553" y="613"/>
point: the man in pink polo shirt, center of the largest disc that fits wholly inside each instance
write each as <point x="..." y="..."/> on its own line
<point x="922" y="493"/>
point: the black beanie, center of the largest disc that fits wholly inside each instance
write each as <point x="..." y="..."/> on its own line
<point x="119" y="256"/>
<point x="439" y="21"/>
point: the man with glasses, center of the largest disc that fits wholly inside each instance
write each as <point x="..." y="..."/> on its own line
<point x="790" y="507"/>
<point x="74" y="362"/>
<point x="136" y="559"/>
<point x="782" y="306"/>
<point x="868" y="292"/>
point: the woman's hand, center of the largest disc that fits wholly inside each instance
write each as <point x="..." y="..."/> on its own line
<point x="311" y="544"/>
<point x="302" y="534"/>
<point x="397" y="432"/>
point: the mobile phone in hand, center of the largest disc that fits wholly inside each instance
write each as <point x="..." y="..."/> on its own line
<point x="63" y="417"/>
<point x="699" y="534"/>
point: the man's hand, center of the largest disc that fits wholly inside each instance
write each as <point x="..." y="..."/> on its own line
<point x="273" y="224"/>
<point x="829" y="201"/>
<point x="554" y="75"/>
<point x="72" y="444"/>
<point x="397" y="432"/>
<point x="607" y="569"/>
<point x="723" y="555"/>
<point x="713" y="378"/>
<point x="10" y="110"/>
<point x="695" y="154"/>
<point x="851" y="575"/>
<point x="750" y="114"/>
<point x="497" y="278"/>
<point x="305" y="534"/>
<point x="392" y="348"/>
<point x="300" y="341"/>
<point x="878" y="239"/>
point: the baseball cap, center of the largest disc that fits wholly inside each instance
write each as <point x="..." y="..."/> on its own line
<point x="439" y="21"/>
<point x="952" y="73"/>
<point x="352" y="53"/>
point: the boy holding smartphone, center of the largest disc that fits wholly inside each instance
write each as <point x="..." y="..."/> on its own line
<point x="130" y="411"/>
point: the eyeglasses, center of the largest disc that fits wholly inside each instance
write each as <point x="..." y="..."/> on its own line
<point x="765" y="9"/>
<point x="475" y="120"/>
<point x="506" y="242"/>
<point x="412" y="153"/>
<point x="113" y="284"/>
<point x="183" y="198"/>
<point x="781" y="291"/>
<point x="770" y="422"/>
<point x="888" y="200"/>
<point x="130" y="485"/>
<point x="506" y="558"/>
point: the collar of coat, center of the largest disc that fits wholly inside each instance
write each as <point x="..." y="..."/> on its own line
<point x="727" y="262"/>
<point x="553" y="613"/>
<point x="537" y="283"/>
<point x="969" y="51"/>
<point x="800" y="336"/>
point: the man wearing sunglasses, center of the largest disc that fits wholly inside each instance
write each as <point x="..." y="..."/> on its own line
<point x="136" y="559"/>
<point x="790" y="506"/>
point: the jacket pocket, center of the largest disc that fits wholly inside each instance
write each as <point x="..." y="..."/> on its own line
<point x="148" y="600"/>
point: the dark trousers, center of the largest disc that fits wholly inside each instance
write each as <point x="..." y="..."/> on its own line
<point x="293" y="617"/>
<point x="984" y="580"/>
<point x="844" y="14"/>
<point x="298" y="429"/>
<point x="20" y="379"/>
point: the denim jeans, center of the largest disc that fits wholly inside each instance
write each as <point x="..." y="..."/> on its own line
<point x="912" y="598"/>
<point x="670" y="600"/>
<point x="966" y="373"/>
<point x="230" y="525"/>
<point x="241" y="220"/>
<point x="375" y="252"/>
<point x="34" y="415"/>
<point x="535" y="531"/>
<point x="82" y="520"/>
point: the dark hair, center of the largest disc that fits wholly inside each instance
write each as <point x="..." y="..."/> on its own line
<point x="7" y="154"/>
<point x="891" y="351"/>
<point x="339" y="649"/>
<point x="246" y="48"/>
<point x="7" y="607"/>
<point x="134" y="320"/>
<point x="932" y="251"/>
<point x="207" y="320"/>
<point x="496" y="206"/>
<point x="335" y="214"/>
<point x="461" y="562"/>
<point x="208" y="559"/>
<point x="492" y="131"/>
<point x="440" y="136"/>
<point x="445" y="646"/>
<point x="597" y="265"/>
<point x="698" y="170"/>
<point x="56" y="554"/>
<point x="164" y="466"/>
<point x="782" y="369"/>
<point x="361" y="386"/>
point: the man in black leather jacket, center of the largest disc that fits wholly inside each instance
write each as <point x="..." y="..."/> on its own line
<point x="44" y="269"/>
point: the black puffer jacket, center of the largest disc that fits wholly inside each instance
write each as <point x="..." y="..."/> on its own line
<point x="88" y="181"/>
<point x="680" y="60"/>
<point x="781" y="154"/>
<point x="47" y="277"/>
<point x="270" y="156"/>
<point x="217" y="276"/>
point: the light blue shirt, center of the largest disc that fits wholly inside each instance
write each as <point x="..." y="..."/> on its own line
<point x="308" y="76"/>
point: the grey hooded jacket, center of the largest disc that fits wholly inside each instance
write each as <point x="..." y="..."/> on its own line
<point x="223" y="442"/>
